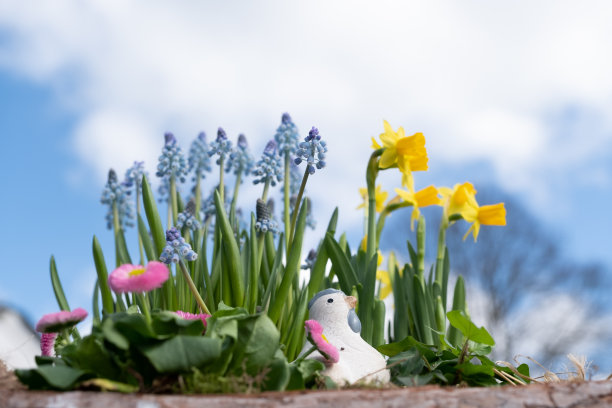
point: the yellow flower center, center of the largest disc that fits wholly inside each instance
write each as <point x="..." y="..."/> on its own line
<point x="136" y="272"/>
<point x="324" y="338"/>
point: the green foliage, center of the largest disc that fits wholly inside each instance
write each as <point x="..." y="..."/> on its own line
<point x="126" y="353"/>
<point x="251" y="282"/>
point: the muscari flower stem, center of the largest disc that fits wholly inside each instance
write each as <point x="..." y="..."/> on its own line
<point x="140" y="245"/>
<point x="192" y="288"/>
<point x="287" y="193"/>
<point x="236" y="189"/>
<point x="198" y="196"/>
<point x="298" y="201"/>
<point x="221" y="184"/>
<point x="173" y="199"/>
<point x="264" y="195"/>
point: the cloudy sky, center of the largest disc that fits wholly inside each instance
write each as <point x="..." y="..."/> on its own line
<point x="515" y="94"/>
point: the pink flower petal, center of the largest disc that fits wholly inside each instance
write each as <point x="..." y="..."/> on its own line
<point x="47" y="344"/>
<point x="192" y="316"/>
<point x="56" y="322"/>
<point x="155" y="274"/>
<point x="314" y="333"/>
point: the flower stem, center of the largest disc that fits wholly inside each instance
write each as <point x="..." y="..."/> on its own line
<point x="303" y="356"/>
<point x="264" y="195"/>
<point x="236" y="189"/>
<point x="193" y="288"/>
<point x="145" y="306"/>
<point x="287" y="194"/>
<point x="140" y="246"/>
<point x="198" y="196"/>
<point x="298" y="202"/>
<point x="173" y="197"/>
<point x="221" y="186"/>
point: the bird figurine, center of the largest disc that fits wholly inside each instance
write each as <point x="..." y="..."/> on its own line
<point x="357" y="360"/>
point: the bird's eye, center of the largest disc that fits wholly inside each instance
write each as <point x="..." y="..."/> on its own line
<point x="330" y="300"/>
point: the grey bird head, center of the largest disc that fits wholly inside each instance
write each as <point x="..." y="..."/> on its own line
<point x="324" y="308"/>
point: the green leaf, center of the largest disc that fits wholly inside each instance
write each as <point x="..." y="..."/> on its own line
<point x="257" y="342"/>
<point x="182" y="353"/>
<point x="293" y="266"/>
<point x="155" y="225"/>
<point x="59" y="377"/>
<point x="347" y="277"/>
<point x="105" y="384"/>
<point x="318" y="270"/>
<point x="460" y="321"/>
<point x="278" y="374"/>
<point x="147" y="243"/>
<point x="90" y="355"/>
<point x="408" y="343"/>
<point x="231" y="253"/>
<point x="168" y="323"/>
<point x="123" y="255"/>
<point x="108" y="305"/>
<point x="57" y="286"/>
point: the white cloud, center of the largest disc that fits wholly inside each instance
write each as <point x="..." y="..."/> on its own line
<point x="478" y="78"/>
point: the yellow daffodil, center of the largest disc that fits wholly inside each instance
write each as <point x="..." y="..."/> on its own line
<point x="381" y="197"/>
<point x="461" y="200"/>
<point x="385" y="283"/>
<point x="422" y="198"/>
<point x="408" y="153"/>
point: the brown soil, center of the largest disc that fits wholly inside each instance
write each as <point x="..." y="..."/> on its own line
<point x="8" y="381"/>
<point x="566" y="394"/>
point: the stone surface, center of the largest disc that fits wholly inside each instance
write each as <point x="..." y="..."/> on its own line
<point x="562" y="395"/>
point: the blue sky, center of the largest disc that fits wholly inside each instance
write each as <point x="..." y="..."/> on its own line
<point x="513" y="94"/>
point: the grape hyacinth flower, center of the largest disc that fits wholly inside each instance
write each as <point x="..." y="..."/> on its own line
<point x="176" y="248"/>
<point x="287" y="136"/>
<point x="187" y="218"/>
<point x="133" y="177"/>
<point x="264" y="222"/>
<point x="199" y="159"/>
<point x="172" y="161"/>
<point x="137" y="278"/>
<point x="222" y="147"/>
<point x="240" y="159"/>
<point x="310" y="259"/>
<point x="47" y="344"/>
<point x="56" y="322"/>
<point x="115" y="196"/>
<point x="312" y="150"/>
<point x="269" y="168"/>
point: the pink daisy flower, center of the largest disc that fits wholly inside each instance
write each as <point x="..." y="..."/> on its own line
<point x="192" y="316"/>
<point x="47" y="344"/>
<point x="137" y="278"/>
<point x="56" y="322"/>
<point x="314" y="334"/>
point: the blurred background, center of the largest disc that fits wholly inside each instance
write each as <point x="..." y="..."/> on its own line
<point x="515" y="97"/>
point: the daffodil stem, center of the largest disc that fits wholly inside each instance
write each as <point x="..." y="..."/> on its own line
<point x="145" y="306"/>
<point x="286" y="196"/>
<point x="193" y="288"/>
<point x="298" y="202"/>
<point x="371" y="174"/>
<point x="173" y="199"/>
<point x="440" y="255"/>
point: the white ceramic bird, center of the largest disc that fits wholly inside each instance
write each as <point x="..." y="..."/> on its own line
<point x="335" y="312"/>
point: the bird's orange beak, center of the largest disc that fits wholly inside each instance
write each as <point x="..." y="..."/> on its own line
<point x="351" y="300"/>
